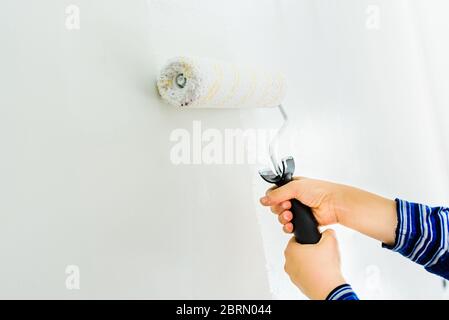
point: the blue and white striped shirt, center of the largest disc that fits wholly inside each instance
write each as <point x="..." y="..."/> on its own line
<point x="422" y="235"/>
<point x="343" y="292"/>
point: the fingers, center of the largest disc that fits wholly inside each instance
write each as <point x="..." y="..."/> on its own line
<point x="278" y="198"/>
<point x="286" y="205"/>
<point x="279" y="208"/>
<point x="285" y="217"/>
<point x="288" y="227"/>
<point x="281" y="194"/>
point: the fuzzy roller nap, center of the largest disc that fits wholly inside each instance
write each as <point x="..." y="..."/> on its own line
<point x="207" y="83"/>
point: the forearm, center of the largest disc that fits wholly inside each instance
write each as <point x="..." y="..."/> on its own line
<point x="416" y="231"/>
<point x="366" y="212"/>
<point x="422" y="236"/>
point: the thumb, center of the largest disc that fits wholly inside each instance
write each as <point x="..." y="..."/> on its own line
<point x="286" y="192"/>
<point x="327" y="236"/>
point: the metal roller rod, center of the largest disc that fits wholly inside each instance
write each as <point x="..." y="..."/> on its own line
<point x="273" y="146"/>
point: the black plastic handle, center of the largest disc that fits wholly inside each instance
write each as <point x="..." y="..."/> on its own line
<point x="305" y="226"/>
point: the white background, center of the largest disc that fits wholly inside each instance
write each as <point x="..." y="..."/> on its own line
<point x="85" y="172"/>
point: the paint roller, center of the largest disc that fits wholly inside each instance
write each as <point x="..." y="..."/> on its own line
<point x="207" y="83"/>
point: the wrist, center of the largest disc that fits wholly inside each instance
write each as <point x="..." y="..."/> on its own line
<point x="341" y="203"/>
<point x="365" y="212"/>
<point x="327" y="286"/>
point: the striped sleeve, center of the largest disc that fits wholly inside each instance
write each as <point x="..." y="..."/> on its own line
<point x="343" y="292"/>
<point x="422" y="235"/>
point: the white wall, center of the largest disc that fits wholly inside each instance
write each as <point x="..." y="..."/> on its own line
<point x="85" y="172"/>
<point x="365" y="115"/>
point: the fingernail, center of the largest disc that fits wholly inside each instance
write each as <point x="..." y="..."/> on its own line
<point x="285" y="205"/>
<point x="264" y="200"/>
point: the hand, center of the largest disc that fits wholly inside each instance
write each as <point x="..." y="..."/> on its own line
<point x="320" y="196"/>
<point x="315" y="269"/>
<point x="332" y="203"/>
